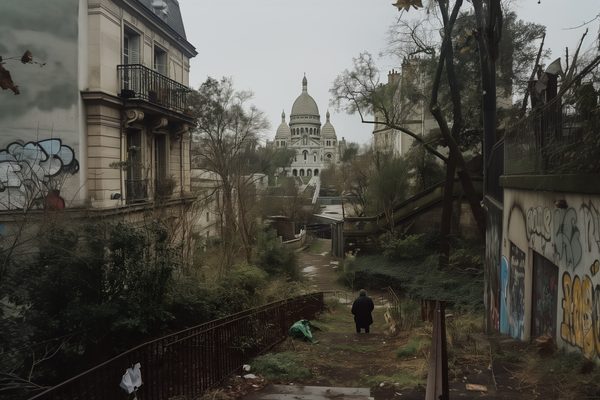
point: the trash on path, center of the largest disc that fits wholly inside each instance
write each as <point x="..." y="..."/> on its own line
<point x="246" y="367"/>
<point x="301" y="330"/>
<point x="472" y="387"/>
<point x="250" y="376"/>
<point x="132" y="379"/>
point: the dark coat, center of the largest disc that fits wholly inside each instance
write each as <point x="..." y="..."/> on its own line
<point x="361" y="308"/>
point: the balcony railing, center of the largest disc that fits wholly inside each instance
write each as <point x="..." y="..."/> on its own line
<point x="136" y="190"/>
<point x="555" y="140"/>
<point x="142" y="83"/>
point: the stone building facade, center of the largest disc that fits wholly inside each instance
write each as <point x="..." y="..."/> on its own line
<point x="316" y="146"/>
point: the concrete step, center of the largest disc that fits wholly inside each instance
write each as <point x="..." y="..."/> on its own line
<point x="299" y="392"/>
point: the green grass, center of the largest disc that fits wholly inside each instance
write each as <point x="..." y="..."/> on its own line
<point x="281" y="366"/>
<point x="415" y="346"/>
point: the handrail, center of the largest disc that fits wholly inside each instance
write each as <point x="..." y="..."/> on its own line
<point x="188" y="362"/>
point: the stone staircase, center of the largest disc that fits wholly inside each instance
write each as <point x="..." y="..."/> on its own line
<point x="299" y="392"/>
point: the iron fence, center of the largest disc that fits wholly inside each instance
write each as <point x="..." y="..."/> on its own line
<point x="140" y="82"/>
<point x="191" y="361"/>
<point x="559" y="138"/>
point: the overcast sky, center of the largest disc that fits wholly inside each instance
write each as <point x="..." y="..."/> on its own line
<point x="267" y="45"/>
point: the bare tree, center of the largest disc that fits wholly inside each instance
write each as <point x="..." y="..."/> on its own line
<point x="227" y="130"/>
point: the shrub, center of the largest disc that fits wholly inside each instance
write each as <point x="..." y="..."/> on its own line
<point x="406" y="248"/>
<point x="275" y="259"/>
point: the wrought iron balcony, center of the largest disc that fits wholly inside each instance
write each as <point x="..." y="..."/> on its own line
<point x="136" y="190"/>
<point x="139" y="82"/>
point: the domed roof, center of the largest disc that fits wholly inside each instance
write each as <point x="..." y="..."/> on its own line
<point x="284" y="131"/>
<point x="328" y="131"/>
<point x="305" y="104"/>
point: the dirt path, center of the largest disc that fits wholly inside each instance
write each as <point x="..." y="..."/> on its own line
<point x="321" y="270"/>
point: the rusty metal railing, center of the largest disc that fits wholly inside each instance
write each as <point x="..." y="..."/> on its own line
<point x="189" y="362"/>
<point x="437" y="378"/>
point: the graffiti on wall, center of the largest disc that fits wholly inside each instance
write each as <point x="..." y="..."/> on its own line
<point x="567" y="243"/>
<point x="539" y="227"/>
<point x="591" y="225"/>
<point x="581" y="312"/>
<point x="545" y="297"/>
<point x="493" y="234"/>
<point x="516" y="288"/>
<point x="561" y="231"/>
<point x="32" y="173"/>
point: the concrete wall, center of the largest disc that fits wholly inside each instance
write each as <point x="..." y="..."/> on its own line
<point x="549" y="268"/>
<point x="40" y="129"/>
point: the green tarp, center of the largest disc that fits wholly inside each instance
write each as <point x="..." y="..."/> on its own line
<point x="301" y="330"/>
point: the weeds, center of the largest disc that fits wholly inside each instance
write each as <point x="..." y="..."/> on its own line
<point x="415" y="346"/>
<point x="281" y="366"/>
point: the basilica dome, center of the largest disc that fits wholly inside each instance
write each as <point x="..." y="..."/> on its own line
<point x="304" y="105"/>
<point x="328" y="131"/>
<point x="283" y="131"/>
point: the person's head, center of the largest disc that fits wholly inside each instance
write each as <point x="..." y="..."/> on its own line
<point x="362" y="292"/>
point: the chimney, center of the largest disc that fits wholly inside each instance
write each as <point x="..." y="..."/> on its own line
<point x="393" y="76"/>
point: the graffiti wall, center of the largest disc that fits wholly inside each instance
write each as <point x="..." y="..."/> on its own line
<point x="545" y="297"/>
<point x="558" y="253"/>
<point x="39" y="127"/>
<point x="493" y="235"/>
<point x="516" y="292"/>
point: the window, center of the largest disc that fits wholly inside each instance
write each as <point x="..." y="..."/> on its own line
<point x="161" y="151"/>
<point x="131" y="46"/>
<point x="329" y="143"/>
<point x="160" y="60"/>
<point x="315" y="157"/>
<point x="135" y="184"/>
<point x="207" y="217"/>
<point x="305" y="154"/>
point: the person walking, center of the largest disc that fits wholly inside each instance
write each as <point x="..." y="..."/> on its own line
<point x="361" y="309"/>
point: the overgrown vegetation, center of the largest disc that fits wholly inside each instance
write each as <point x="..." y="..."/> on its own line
<point x="281" y="366"/>
<point x="410" y="265"/>
<point x="90" y="291"/>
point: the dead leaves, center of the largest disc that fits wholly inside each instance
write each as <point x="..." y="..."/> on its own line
<point x="406" y="4"/>
<point x="6" y="81"/>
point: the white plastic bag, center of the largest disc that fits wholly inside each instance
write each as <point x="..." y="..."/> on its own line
<point x="132" y="379"/>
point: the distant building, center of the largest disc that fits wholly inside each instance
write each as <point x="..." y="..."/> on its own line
<point x="408" y="110"/>
<point x="316" y="146"/>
